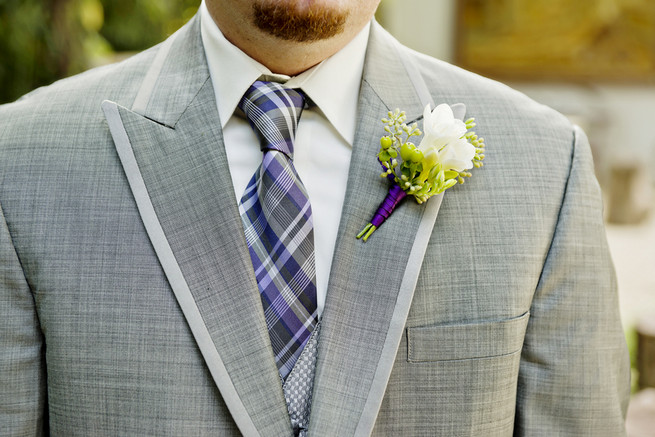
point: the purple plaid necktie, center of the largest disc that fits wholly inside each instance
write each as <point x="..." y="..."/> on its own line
<point x="277" y="218"/>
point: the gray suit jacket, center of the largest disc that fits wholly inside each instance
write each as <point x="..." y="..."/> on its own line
<point x="128" y="304"/>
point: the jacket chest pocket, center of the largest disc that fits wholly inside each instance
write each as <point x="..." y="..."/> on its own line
<point x="460" y="379"/>
<point x="466" y="341"/>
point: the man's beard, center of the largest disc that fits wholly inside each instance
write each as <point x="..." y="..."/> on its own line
<point x="312" y="24"/>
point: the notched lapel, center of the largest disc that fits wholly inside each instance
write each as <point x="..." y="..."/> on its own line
<point x="175" y="162"/>
<point x="371" y="284"/>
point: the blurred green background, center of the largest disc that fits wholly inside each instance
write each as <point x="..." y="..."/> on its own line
<point x="44" y="40"/>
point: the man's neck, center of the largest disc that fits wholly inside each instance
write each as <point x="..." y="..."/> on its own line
<point x="278" y="54"/>
<point x="283" y="57"/>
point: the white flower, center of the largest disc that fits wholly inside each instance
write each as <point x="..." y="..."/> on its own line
<point x="442" y="140"/>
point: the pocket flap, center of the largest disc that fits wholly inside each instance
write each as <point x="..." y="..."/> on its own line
<point x="466" y="341"/>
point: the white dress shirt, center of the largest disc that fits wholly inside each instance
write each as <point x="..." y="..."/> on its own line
<point x="325" y="135"/>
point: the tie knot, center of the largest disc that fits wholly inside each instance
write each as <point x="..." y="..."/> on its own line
<point x="273" y="112"/>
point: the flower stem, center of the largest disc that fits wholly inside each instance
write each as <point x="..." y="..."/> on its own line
<point x="366" y="232"/>
<point x="393" y="198"/>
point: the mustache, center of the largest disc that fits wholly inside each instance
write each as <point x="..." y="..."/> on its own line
<point x="312" y="24"/>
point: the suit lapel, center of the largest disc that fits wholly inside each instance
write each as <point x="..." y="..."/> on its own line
<point x="372" y="283"/>
<point x="174" y="158"/>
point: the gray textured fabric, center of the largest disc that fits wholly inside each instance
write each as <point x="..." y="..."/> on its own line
<point x="299" y="384"/>
<point x="173" y="273"/>
<point x="512" y="327"/>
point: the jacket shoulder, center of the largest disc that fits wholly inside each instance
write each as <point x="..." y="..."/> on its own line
<point x="506" y="117"/>
<point x="77" y="94"/>
<point x="482" y="92"/>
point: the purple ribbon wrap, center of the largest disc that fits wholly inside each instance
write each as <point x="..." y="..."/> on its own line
<point x="393" y="198"/>
<point x="395" y="195"/>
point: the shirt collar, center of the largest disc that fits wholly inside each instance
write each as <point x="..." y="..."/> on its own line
<point x="333" y="85"/>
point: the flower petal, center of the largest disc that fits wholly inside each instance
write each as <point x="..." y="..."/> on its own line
<point x="441" y="122"/>
<point x="457" y="155"/>
<point x="432" y="142"/>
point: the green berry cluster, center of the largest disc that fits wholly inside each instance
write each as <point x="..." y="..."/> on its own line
<point x="478" y="143"/>
<point x="396" y="141"/>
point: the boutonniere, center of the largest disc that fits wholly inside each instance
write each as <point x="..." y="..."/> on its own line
<point x="442" y="159"/>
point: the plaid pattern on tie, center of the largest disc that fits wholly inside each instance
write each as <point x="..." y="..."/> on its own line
<point x="277" y="219"/>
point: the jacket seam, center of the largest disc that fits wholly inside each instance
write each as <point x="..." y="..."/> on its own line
<point x="559" y="212"/>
